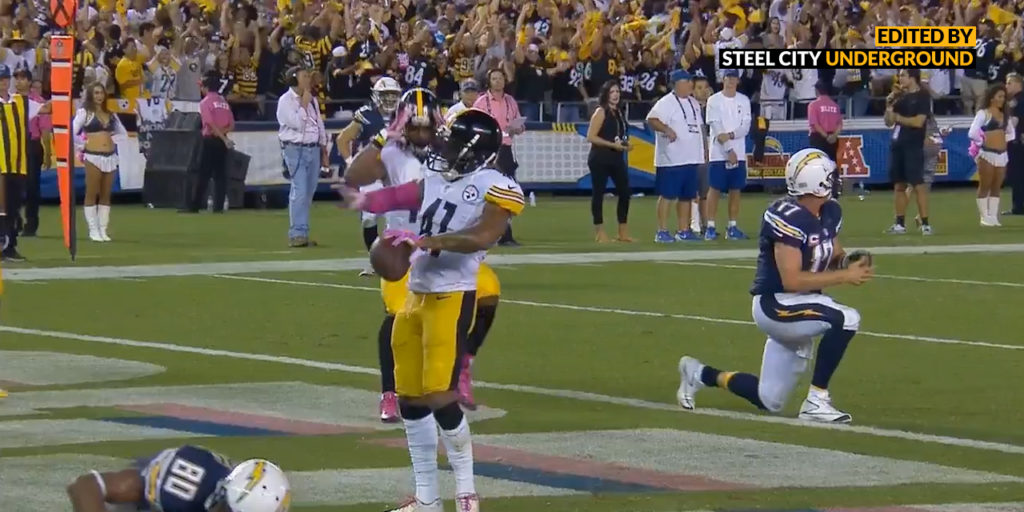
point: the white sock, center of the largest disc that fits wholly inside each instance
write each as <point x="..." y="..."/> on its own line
<point x="983" y="206"/>
<point x="459" y="445"/>
<point x="732" y="223"/>
<point x="814" y="392"/>
<point x="993" y="206"/>
<point x="695" y="216"/>
<point x="421" y="436"/>
<point x="711" y="223"/>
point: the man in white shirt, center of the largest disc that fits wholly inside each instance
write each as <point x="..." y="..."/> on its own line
<point x="304" y="144"/>
<point x="678" y="149"/>
<point x="729" y="117"/>
<point x="468" y="91"/>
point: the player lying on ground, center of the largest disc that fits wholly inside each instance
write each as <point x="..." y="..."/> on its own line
<point x="186" y="479"/>
<point x="800" y="255"/>
<point x="464" y="208"/>
<point x="396" y="156"/>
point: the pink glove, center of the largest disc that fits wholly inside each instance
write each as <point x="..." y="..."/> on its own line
<point x="974" y="149"/>
<point x="401" y="236"/>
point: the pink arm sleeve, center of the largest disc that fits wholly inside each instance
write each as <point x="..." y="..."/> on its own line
<point x="389" y="199"/>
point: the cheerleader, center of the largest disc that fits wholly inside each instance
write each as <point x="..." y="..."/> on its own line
<point x="989" y="133"/>
<point x="94" y="128"/>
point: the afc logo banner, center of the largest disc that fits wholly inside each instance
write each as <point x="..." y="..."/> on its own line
<point x="850" y="157"/>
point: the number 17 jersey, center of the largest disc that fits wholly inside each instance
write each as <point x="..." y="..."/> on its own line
<point x="787" y="222"/>
<point x="453" y="206"/>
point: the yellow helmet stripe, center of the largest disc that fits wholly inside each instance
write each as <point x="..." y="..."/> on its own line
<point x="419" y="103"/>
<point x="805" y="160"/>
<point x="257" y="474"/>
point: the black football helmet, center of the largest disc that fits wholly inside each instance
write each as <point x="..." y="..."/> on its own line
<point x="472" y="141"/>
<point x="418" y="118"/>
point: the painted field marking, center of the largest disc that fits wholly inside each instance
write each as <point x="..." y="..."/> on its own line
<point x="251" y="267"/>
<point x="880" y="276"/>
<point x="631" y="312"/>
<point x="558" y="393"/>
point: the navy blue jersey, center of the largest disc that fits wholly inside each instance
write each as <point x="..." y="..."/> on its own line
<point x="787" y="222"/>
<point x="183" y="479"/>
<point x="372" y="122"/>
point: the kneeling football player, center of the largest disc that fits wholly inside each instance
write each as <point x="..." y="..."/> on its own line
<point x="464" y="207"/>
<point x="397" y="156"/>
<point x="800" y="256"/>
<point x="186" y="479"/>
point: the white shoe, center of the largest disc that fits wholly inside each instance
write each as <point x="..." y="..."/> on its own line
<point x="414" y="505"/>
<point x="367" y="272"/>
<point x="896" y="229"/>
<point x="989" y="222"/>
<point x="818" y="407"/>
<point x="994" y="219"/>
<point x="689" y="381"/>
<point x="467" y="503"/>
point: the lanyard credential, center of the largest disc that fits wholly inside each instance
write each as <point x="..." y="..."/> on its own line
<point x="692" y="126"/>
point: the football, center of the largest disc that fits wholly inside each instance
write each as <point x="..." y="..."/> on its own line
<point x="857" y="255"/>
<point x="390" y="262"/>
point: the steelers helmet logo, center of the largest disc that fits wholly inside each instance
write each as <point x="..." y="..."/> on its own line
<point x="470" y="194"/>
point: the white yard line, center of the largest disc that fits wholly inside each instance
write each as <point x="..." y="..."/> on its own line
<point x="630" y="312"/>
<point x="560" y="393"/>
<point x="880" y="276"/>
<point x="252" y="267"/>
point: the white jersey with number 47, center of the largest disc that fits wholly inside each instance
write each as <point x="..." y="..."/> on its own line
<point x="453" y="206"/>
<point x="402" y="167"/>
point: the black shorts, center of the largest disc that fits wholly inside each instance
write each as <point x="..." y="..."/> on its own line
<point x="906" y="164"/>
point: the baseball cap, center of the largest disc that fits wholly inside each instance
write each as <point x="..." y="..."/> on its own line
<point x="680" y="74"/>
<point x="731" y="72"/>
<point x="469" y="85"/>
<point x="5" y="72"/>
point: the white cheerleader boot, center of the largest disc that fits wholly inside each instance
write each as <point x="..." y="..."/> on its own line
<point x="103" y="214"/>
<point x="93" y="222"/>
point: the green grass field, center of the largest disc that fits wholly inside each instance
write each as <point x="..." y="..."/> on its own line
<point x="144" y="343"/>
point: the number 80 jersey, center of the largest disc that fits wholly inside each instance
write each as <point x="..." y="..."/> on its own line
<point x="183" y="479"/>
<point x="453" y="206"/>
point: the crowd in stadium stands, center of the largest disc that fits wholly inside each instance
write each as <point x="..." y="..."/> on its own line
<point x="557" y="52"/>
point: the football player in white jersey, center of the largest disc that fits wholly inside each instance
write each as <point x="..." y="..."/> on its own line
<point x="396" y="156"/>
<point x="464" y="207"/>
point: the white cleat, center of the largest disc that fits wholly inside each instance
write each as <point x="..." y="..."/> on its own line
<point x="689" y="381"/>
<point x="414" y="505"/>
<point x="467" y="503"/>
<point x="367" y="272"/>
<point x="994" y="219"/>
<point x="988" y="222"/>
<point x="818" y="408"/>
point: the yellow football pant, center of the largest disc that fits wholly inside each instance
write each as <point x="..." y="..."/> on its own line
<point x="394" y="292"/>
<point x="428" y="341"/>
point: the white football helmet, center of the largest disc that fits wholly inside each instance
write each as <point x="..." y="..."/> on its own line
<point x="810" y="171"/>
<point x="385" y="94"/>
<point x="257" y="485"/>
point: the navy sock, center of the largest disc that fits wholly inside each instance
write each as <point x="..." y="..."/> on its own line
<point x="369" y="236"/>
<point x="745" y="385"/>
<point x="385" y="356"/>
<point x="830" y="352"/>
<point x="901" y="220"/>
<point x="709" y="376"/>
<point x="484" y="320"/>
